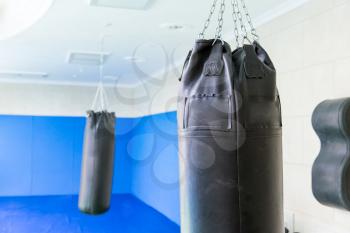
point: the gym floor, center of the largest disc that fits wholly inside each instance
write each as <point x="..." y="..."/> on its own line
<point x="57" y="214"/>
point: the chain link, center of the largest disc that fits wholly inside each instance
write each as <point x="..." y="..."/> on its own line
<point x="207" y="22"/>
<point x="239" y="22"/>
<point x="218" y="33"/>
<point x="235" y="20"/>
<point x="249" y="19"/>
<point x="240" y="18"/>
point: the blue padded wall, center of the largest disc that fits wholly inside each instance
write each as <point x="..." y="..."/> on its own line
<point x="153" y="151"/>
<point x="42" y="156"/>
<point x="15" y="155"/>
<point x="53" y="154"/>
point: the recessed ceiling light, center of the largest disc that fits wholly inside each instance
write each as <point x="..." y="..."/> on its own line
<point x="128" y="4"/>
<point x="134" y="59"/>
<point x="87" y="58"/>
<point x="174" y="26"/>
<point x="22" y="74"/>
<point x="108" y="25"/>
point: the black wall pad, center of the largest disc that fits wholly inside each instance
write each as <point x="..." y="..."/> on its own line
<point x="330" y="172"/>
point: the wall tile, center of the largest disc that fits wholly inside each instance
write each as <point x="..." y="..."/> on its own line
<point x="340" y="2"/>
<point x="298" y="184"/>
<point x="293" y="140"/>
<point x="313" y="85"/>
<point x="310" y="9"/>
<point x="290" y="100"/>
<point x="289" y="186"/>
<point x="311" y="142"/>
<point x="319" y="38"/>
<point x="341" y="218"/>
<point x="340" y="35"/>
<point x="313" y="8"/>
<point x="308" y="224"/>
<point x="287" y="49"/>
<point x="302" y="90"/>
<point x="342" y="78"/>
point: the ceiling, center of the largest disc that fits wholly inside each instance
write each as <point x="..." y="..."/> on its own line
<point x="136" y="40"/>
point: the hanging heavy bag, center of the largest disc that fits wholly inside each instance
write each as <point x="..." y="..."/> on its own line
<point x="260" y="154"/>
<point x="98" y="156"/>
<point x="98" y="160"/>
<point x="229" y="123"/>
<point x="207" y="136"/>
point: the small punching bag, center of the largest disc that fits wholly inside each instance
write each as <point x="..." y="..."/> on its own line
<point x="98" y="160"/>
<point x="230" y="147"/>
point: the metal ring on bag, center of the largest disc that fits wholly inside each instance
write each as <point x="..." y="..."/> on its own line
<point x="216" y="39"/>
<point x="246" y="38"/>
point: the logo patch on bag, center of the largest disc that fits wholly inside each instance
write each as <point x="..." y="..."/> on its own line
<point x="213" y="68"/>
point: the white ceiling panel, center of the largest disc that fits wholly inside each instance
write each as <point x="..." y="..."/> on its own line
<point x="140" y="42"/>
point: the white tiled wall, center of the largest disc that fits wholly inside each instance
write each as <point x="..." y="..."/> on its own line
<point x="310" y="47"/>
<point x="59" y="100"/>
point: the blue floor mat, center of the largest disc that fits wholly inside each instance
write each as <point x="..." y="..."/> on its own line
<point x="59" y="214"/>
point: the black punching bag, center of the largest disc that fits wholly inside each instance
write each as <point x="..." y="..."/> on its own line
<point x="229" y="123"/>
<point x="98" y="163"/>
<point x="207" y="141"/>
<point x="260" y="168"/>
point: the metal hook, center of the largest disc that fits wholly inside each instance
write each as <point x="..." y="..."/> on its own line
<point x="219" y="38"/>
<point x="247" y="39"/>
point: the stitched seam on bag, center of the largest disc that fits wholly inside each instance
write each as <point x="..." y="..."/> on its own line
<point x="214" y="136"/>
<point x="272" y="126"/>
<point x="266" y="136"/>
<point x="237" y="162"/>
<point x="204" y="97"/>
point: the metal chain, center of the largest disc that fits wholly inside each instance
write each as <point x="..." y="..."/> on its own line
<point x="249" y="19"/>
<point x="240" y="18"/>
<point x="235" y="20"/>
<point x="207" y="22"/>
<point x="218" y="33"/>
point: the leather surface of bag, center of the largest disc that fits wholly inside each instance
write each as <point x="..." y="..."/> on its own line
<point x="260" y="154"/>
<point x="229" y="123"/>
<point x="331" y="171"/>
<point x="98" y="163"/>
